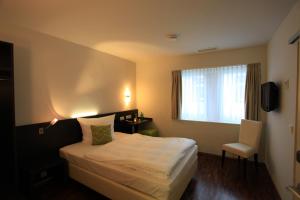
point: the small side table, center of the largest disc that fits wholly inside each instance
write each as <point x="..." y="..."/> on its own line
<point x="138" y="124"/>
<point x="41" y="171"/>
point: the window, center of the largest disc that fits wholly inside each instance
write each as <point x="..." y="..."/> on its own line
<point x="214" y="94"/>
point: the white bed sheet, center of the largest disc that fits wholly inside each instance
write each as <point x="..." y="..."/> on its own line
<point x="157" y="156"/>
<point x="158" y="187"/>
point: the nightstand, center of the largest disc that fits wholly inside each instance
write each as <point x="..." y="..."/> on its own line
<point x="137" y="125"/>
<point x="41" y="171"/>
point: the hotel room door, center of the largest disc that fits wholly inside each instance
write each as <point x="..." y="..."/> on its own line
<point x="6" y="129"/>
<point x="297" y="146"/>
<point x="7" y="121"/>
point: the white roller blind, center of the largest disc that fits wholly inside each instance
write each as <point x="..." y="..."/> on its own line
<point x="214" y="94"/>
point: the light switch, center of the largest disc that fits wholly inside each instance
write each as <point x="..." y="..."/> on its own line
<point x="286" y="84"/>
<point x="291" y="128"/>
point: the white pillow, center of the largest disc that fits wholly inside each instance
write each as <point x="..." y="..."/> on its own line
<point x="86" y="124"/>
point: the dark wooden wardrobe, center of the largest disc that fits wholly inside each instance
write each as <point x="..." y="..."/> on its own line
<point x="8" y="167"/>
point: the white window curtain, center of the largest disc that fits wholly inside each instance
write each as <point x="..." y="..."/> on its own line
<point x="214" y="94"/>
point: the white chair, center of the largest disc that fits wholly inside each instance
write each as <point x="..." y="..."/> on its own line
<point x="249" y="139"/>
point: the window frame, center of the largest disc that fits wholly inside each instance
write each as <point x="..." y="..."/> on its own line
<point x="244" y="66"/>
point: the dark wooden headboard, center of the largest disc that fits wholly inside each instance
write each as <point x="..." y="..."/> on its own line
<point x="31" y="145"/>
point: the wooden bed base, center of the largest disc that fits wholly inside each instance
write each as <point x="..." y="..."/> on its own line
<point x="116" y="191"/>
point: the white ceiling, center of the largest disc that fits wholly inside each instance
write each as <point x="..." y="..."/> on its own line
<point x="136" y="29"/>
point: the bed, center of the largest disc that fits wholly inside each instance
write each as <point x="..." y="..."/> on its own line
<point x="121" y="180"/>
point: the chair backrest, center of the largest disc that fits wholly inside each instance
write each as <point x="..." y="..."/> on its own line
<point x="250" y="132"/>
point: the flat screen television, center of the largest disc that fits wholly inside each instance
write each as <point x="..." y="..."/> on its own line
<point x="269" y="96"/>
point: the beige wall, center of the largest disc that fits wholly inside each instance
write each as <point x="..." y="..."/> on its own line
<point x="154" y="95"/>
<point x="55" y="78"/>
<point x="297" y="147"/>
<point x="282" y="65"/>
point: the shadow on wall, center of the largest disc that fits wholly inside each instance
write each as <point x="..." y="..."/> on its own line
<point x="55" y="78"/>
<point x="23" y="80"/>
<point x="280" y="96"/>
<point x="84" y="80"/>
<point x="62" y="80"/>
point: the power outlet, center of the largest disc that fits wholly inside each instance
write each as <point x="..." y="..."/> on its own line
<point x="291" y="128"/>
<point x="43" y="174"/>
<point x="41" y="131"/>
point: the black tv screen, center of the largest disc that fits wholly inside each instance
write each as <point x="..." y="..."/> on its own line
<point x="269" y="96"/>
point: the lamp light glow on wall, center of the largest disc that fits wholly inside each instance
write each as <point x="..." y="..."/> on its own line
<point x="127" y="95"/>
<point x="83" y="114"/>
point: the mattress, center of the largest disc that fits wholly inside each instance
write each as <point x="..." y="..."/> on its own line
<point x="157" y="156"/>
<point x="157" y="187"/>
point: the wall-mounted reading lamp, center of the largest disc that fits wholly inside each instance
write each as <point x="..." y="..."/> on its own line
<point x="42" y="130"/>
<point x="294" y="38"/>
<point x="52" y="123"/>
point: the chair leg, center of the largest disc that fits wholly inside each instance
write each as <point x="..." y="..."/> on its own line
<point x="245" y="167"/>
<point x="239" y="159"/>
<point x="223" y="157"/>
<point x="256" y="161"/>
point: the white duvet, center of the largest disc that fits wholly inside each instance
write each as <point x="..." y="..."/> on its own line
<point x="144" y="153"/>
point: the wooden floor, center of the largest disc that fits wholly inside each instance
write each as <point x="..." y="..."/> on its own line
<point x="210" y="183"/>
<point x="214" y="183"/>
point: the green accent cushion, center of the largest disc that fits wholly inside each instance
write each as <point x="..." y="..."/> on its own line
<point x="101" y="134"/>
<point x="150" y="132"/>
